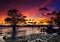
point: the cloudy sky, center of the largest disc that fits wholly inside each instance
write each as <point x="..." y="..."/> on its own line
<point x="28" y="8"/>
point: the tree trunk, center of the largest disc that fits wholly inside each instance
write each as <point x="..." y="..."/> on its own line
<point x="14" y="32"/>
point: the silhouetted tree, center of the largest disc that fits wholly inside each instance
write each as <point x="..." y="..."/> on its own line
<point x="54" y="19"/>
<point x="15" y="17"/>
<point x="58" y="20"/>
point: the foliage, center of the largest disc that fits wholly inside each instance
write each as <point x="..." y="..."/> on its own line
<point x="15" y="17"/>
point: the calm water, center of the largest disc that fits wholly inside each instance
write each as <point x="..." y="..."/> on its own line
<point x="20" y="31"/>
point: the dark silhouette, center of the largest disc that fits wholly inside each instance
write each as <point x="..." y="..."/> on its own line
<point x="58" y="21"/>
<point x="48" y="14"/>
<point x="49" y="28"/>
<point x="44" y="8"/>
<point x="14" y="18"/>
<point x="8" y="20"/>
<point x="4" y="37"/>
<point x="54" y="13"/>
<point x="52" y="18"/>
<point x="58" y="18"/>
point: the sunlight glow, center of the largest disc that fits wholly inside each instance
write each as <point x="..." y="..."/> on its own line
<point x="35" y="21"/>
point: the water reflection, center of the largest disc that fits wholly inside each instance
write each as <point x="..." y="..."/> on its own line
<point x="36" y="32"/>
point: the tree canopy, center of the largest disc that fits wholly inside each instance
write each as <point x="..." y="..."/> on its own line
<point x="14" y="16"/>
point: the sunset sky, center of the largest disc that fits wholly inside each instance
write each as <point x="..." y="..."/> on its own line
<point x="29" y="8"/>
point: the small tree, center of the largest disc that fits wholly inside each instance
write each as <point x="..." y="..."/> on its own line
<point x="14" y="19"/>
